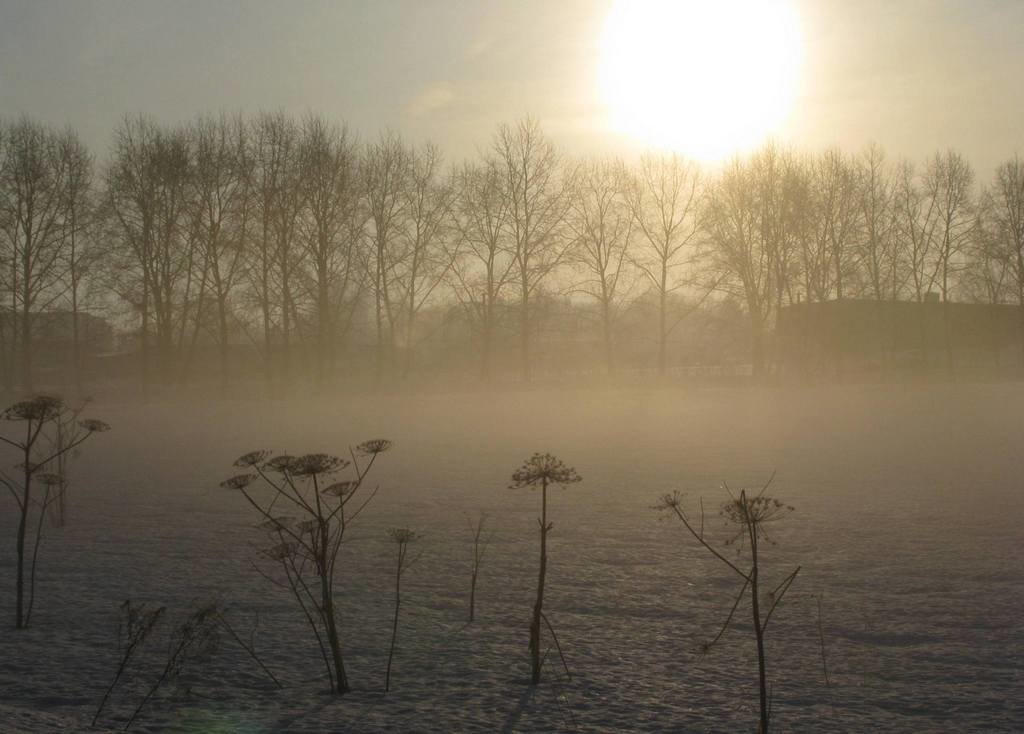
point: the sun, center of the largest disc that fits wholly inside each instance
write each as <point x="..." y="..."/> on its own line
<point x="707" y="79"/>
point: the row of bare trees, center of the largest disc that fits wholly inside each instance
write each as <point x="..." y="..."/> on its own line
<point x="299" y="240"/>
<point x="46" y="184"/>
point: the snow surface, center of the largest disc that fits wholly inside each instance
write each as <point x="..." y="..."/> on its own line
<point x="908" y="525"/>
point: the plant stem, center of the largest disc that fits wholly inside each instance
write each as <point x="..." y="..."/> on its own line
<point x="535" y="662"/>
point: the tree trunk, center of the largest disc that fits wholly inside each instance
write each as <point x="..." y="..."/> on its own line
<point x="524" y="337"/>
<point x="222" y="325"/>
<point x="662" y="323"/>
<point x="265" y="308"/>
<point x="379" y="316"/>
<point x="757" y="345"/>
<point x="486" y="337"/>
<point x="286" y="347"/>
<point x="323" y="326"/>
<point x="1022" y="333"/>
<point x="26" y="348"/>
<point x="945" y="321"/>
<point x="144" y="337"/>
<point x="606" y="329"/>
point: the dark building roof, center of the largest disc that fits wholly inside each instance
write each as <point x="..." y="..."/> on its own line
<point x="859" y="334"/>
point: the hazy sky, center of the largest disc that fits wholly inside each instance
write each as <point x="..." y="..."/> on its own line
<point x="913" y="75"/>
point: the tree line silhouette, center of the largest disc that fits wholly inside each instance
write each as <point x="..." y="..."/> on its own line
<point x="320" y="252"/>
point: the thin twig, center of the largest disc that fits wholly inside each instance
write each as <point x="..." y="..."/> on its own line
<point x="557" y="646"/>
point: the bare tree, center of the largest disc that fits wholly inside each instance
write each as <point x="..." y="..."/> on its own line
<point x="81" y="247"/>
<point x="665" y="197"/>
<point x="1005" y="209"/>
<point x="332" y="231"/>
<point x="601" y="223"/>
<point x="543" y="470"/>
<point x="837" y="215"/>
<point x="386" y="168"/>
<point x="33" y="204"/>
<point x="428" y="255"/>
<point x="753" y="235"/>
<point x="948" y="184"/>
<point x="986" y="276"/>
<point x="221" y="211"/>
<point x="275" y="265"/>
<point x="916" y="225"/>
<point x="485" y="258"/>
<point x="538" y="201"/>
<point x="877" y="246"/>
<point x="159" y="268"/>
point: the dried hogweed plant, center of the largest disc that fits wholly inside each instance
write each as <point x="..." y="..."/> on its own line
<point x="748" y="517"/>
<point x="136" y="623"/>
<point x="402" y="538"/>
<point x="481" y="542"/>
<point x="41" y="445"/>
<point x="305" y="512"/>
<point x="190" y="644"/>
<point x="542" y="470"/>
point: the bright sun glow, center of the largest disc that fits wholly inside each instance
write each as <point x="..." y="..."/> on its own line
<point x="706" y="79"/>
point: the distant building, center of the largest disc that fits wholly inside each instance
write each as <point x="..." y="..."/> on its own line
<point x="53" y="331"/>
<point x="868" y="335"/>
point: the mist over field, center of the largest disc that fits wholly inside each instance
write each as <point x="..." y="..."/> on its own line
<point x="907" y="522"/>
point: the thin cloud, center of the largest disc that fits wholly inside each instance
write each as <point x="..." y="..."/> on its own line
<point x="430" y="99"/>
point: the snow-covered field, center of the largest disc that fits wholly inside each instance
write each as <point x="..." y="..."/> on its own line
<point x="909" y="524"/>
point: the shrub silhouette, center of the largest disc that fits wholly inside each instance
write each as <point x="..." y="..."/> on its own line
<point x="305" y="548"/>
<point x="748" y="516"/>
<point x="38" y="449"/>
<point x="542" y="470"/>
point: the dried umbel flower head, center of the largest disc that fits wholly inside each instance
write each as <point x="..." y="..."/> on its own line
<point x="402" y="536"/>
<point x="374" y="446"/>
<point x="672" y="502"/>
<point x="38" y="408"/>
<point x="92" y="425"/>
<point x="50" y="479"/>
<point x="310" y="464"/>
<point x="543" y="469"/>
<point x="252" y="458"/>
<point x="281" y="464"/>
<point x="756" y="511"/>
<point x="239" y="481"/>
<point x="341" y="489"/>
